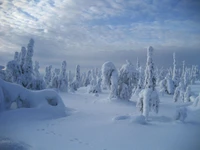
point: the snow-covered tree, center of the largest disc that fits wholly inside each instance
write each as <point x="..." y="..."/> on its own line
<point x="36" y="69"/>
<point x="87" y="79"/>
<point x="163" y="87"/>
<point x="28" y="66"/>
<point x="183" y="70"/>
<point x="47" y="76"/>
<point x="175" y="75"/>
<point x="75" y="84"/>
<point x="78" y="76"/>
<point x="127" y="80"/>
<point x="110" y="78"/>
<point x="13" y="72"/>
<point x="63" y="78"/>
<point x="55" y="79"/>
<point x="186" y="78"/>
<point x="179" y="92"/>
<point x="22" y="59"/>
<point x="83" y="78"/>
<point x="95" y="86"/>
<point x="148" y="98"/>
<point x="70" y="77"/>
<point x="38" y="82"/>
<point x="140" y="82"/>
<point x="17" y="57"/>
<point x="187" y="94"/>
<point x="169" y="84"/>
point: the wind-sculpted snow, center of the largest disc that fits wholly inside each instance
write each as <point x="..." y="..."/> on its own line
<point x="24" y="98"/>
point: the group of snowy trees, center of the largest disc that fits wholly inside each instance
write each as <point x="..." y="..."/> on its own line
<point x="21" y="70"/>
<point x="122" y="83"/>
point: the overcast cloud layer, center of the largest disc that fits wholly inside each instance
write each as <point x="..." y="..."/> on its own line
<point x="90" y="32"/>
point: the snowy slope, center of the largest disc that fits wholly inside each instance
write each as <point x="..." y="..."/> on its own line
<point x="95" y="123"/>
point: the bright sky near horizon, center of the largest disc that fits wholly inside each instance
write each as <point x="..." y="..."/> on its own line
<point x="90" y="32"/>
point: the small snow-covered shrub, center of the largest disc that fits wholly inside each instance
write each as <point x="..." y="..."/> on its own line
<point x="181" y="113"/>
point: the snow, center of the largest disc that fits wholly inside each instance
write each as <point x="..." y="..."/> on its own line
<point x="94" y="123"/>
<point x="47" y="99"/>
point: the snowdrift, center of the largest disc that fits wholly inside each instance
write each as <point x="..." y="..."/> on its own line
<point x="47" y="100"/>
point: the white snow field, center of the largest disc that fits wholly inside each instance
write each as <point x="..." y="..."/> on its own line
<point x="95" y="123"/>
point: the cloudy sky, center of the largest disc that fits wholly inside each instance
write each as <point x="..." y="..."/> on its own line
<point x="90" y="32"/>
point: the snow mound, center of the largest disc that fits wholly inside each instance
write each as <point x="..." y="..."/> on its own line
<point x="8" y="144"/>
<point x="181" y="113"/>
<point x="123" y="117"/>
<point x="47" y="99"/>
<point x="134" y="119"/>
<point x="139" y="120"/>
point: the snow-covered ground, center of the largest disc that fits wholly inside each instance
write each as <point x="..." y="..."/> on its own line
<point x="95" y="123"/>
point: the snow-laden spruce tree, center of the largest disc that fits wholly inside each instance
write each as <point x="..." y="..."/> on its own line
<point x="140" y="84"/>
<point x="175" y="77"/>
<point x="127" y="80"/>
<point x="75" y="84"/>
<point x="38" y="82"/>
<point x="55" y="79"/>
<point x="179" y="92"/>
<point x="48" y="76"/>
<point x="186" y="78"/>
<point x="137" y="69"/>
<point x="13" y="72"/>
<point x="22" y="59"/>
<point x="78" y="76"/>
<point x="70" y="77"/>
<point x="17" y="57"/>
<point x="110" y="78"/>
<point x="63" y="78"/>
<point x="187" y="94"/>
<point x="169" y="84"/>
<point x="161" y="74"/>
<point x="163" y="87"/>
<point x="183" y="69"/>
<point x="87" y="79"/>
<point x="148" y="98"/>
<point x="36" y="70"/>
<point x="95" y="86"/>
<point x="83" y="78"/>
<point x="28" y="66"/>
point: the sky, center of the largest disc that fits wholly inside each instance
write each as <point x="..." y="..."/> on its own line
<point x="90" y="32"/>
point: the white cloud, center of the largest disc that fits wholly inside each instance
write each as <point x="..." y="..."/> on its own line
<point x="73" y="26"/>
